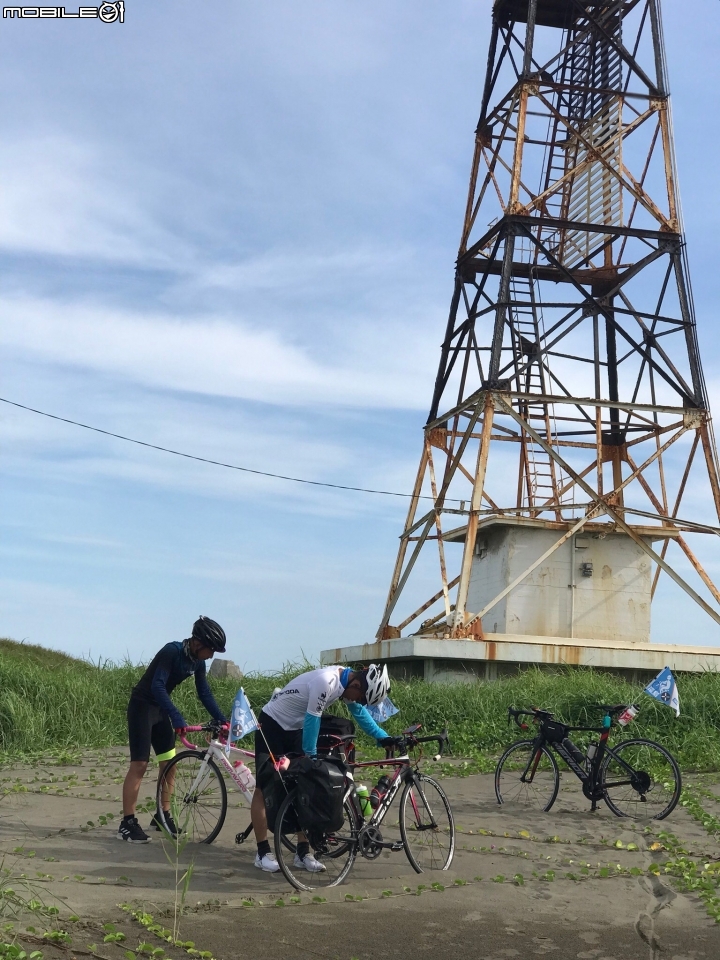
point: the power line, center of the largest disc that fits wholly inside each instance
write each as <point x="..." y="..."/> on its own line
<point x="215" y="463"/>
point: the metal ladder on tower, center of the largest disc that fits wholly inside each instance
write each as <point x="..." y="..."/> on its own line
<point x="537" y="482"/>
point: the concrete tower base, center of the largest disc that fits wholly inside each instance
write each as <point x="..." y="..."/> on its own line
<point x="469" y="660"/>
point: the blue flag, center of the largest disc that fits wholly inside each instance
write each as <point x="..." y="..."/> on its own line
<point x="242" y="718"/>
<point x="664" y="689"/>
<point x="383" y="710"/>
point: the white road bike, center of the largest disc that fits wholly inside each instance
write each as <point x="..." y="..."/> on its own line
<point x="194" y="778"/>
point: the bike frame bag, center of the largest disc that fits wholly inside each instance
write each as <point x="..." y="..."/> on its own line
<point x="554" y="731"/>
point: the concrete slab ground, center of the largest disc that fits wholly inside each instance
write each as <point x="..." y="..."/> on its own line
<point x="569" y="884"/>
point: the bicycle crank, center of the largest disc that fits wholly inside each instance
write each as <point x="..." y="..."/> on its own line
<point x="371" y="843"/>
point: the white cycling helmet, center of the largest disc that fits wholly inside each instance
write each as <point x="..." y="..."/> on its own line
<point x="378" y="684"/>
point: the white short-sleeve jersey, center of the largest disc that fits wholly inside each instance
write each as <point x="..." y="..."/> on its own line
<point x="311" y="693"/>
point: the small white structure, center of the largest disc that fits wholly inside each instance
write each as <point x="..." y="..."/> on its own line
<point x="597" y="584"/>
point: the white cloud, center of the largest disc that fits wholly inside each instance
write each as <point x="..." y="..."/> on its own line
<point x="218" y="356"/>
<point x="62" y="196"/>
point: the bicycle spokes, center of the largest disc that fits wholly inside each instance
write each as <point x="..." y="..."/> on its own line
<point x="198" y="794"/>
<point x="426" y="825"/>
<point x="640" y="779"/>
<point x="527" y="776"/>
<point x="333" y="852"/>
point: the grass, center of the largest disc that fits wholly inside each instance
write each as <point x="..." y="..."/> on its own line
<point x="51" y="702"/>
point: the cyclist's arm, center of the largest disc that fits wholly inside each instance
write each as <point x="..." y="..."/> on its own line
<point x="311" y="732"/>
<point x="319" y="696"/>
<point x="205" y="694"/>
<point x="160" y="695"/>
<point x="365" y="721"/>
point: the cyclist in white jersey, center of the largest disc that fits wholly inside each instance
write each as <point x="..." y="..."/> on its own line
<point x="290" y="723"/>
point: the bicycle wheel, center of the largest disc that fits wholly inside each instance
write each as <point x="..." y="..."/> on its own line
<point x="336" y="851"/>
<point x="527" y="776"/>
<point x="197" y="793"/>
<point x="427" y="826"/>
<point x="639" y="779"/>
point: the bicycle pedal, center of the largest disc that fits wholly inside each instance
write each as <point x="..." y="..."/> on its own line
<point x="240" y="838"/>
<point x="398" y="845"/>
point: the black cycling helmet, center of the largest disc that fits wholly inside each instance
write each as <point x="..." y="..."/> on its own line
<point x="209" y="633"/>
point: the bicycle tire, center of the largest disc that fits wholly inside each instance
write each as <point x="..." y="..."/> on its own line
<point x="200" y="813"/>
<point x="541" y="792"/>
<point x="423" y="843"/>
<point x="337" y="850"/>
<point x="630" y="799"/>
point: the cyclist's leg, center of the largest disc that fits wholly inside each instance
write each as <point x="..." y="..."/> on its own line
<point x="258" y="815"/>
<point x="139" y="735"/>
<point x="162" y="737"/>
<point x="269" y="739"/>
<point x="139" y="726"/>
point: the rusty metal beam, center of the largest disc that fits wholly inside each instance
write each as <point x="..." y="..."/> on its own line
<point x="615" y="514"/>
<point x="428" y="603"/>
<point x="475" y="501"/>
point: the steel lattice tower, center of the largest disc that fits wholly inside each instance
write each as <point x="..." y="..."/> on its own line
<point x="570" y="363"/>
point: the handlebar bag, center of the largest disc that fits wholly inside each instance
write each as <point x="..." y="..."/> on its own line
<point x="336" y="727"/>
<point x="320" y="792"/>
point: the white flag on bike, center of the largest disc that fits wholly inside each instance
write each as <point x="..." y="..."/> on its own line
<point x="383" y="710"/>
<point x="242" y="718"/>
<point x="664" y="688"/>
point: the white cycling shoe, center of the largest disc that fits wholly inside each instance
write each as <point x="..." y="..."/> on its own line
<point x="268" y="863"/>
<point x="309" y="863"/>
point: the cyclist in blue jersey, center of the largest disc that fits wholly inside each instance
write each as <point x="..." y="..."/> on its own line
<point x="154" y="720"/>
<point x="290" y="723"/>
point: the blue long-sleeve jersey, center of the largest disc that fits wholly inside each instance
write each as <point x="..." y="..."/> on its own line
<point x="169" y="668"/>
<point x="311" y="726"/>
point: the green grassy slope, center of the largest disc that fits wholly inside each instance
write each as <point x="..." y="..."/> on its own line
<point x="49" y="701"/>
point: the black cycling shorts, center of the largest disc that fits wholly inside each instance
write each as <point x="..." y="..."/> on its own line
<point x="274" y="739"/>
<point x="149" y="725"/>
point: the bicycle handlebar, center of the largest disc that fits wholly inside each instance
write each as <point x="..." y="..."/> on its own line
<point x="408" y="740"/>
<point x="537" y="714"/>
<point x="212" y="727"/>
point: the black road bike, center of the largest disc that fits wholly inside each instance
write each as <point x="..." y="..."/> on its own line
<point x="425" y="829"/>
<point x="636" y="778"/>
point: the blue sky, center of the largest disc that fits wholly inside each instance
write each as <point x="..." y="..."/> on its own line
<point x="230" y="228"/>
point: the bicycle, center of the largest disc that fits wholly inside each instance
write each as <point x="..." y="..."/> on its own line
<point x="194" y="777"/>
<point x="427" y="827"/>
<point x="636" y="778"/>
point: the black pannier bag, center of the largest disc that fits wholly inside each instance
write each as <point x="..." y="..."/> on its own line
<point x="274" y="792"/>
<point x="321" y="788"/>
<point x="331" y="726"/>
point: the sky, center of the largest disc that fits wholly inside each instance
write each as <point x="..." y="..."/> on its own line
<point x="229" y="228"/>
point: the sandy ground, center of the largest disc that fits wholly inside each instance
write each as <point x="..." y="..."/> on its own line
<point x="520" y="885"/>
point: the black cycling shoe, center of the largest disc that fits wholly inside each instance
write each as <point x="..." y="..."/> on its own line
<point x="131" y="831"/>
<point x="168" y="824"/>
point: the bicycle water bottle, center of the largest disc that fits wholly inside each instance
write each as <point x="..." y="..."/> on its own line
<point x="591" y="751"/>
<point x="363" y="795"/>
<point x="379" y="791"/>
<point x="242" y="775"/>
<point x="574" y="751"/>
